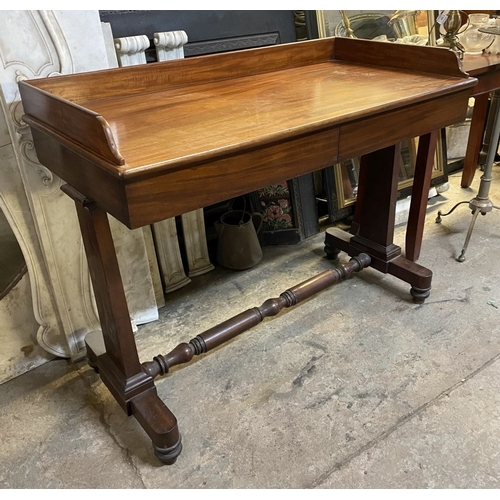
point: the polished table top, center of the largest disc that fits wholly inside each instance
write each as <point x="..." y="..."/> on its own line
<point x="209" y="124"/>
<point x="256" y="109"/>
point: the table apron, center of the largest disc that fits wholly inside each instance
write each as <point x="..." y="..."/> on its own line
<point x="383" y="130"/>
<point x="175" y="192"/>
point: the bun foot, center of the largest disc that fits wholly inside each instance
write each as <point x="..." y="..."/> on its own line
<point x="93" y="365"/>
<point x="160" y="424"/>
<point x="332" y="253"/>
<point x="168" y="456"/>
<point x="419" y="294"/>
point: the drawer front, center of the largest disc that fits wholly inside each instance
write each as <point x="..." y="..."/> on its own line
<point x="379" y="131"/>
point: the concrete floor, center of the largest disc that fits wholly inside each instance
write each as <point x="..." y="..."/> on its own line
<point x="356" y="388"/>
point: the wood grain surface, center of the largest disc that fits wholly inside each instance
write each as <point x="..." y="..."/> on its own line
<point x="259" y="115"/>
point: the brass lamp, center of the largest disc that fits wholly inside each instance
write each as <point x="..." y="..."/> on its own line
<point x="348" y="30"/>
<point x="452" y="25"/>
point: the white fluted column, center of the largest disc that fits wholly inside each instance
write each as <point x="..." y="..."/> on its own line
<point x="169" y="256"/>
<point x="170" y="45"/>
<point x="193" y="228"/>
<point x="130" y="50"/>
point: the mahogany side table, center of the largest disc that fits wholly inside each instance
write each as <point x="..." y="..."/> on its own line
<point x="238" y="124"/>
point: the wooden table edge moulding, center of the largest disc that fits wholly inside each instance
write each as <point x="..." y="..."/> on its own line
<point x="237" y="121"/>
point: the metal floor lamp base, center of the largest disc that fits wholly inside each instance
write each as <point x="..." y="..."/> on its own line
<point x="482" y="204"/>
<point x="477" y="206"/>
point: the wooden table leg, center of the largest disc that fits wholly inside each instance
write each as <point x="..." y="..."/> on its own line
<point x="420" y="195"/>
<point x="375" y="218"/>
<point x="118" y="362"/>
<point x="475" y="140"/>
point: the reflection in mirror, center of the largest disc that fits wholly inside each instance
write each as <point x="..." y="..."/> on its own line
<point x="369" y="26"/>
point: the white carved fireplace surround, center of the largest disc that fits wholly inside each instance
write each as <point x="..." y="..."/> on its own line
<point x="36" y="44"/>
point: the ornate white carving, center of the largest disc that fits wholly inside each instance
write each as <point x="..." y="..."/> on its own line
<point x="130" y="50"/>
<point x="37" y="44"/>
<point x="47" y="51"/>
<point x="21" y="62"/>
<point x="25" y="140"/>
<point x="59" y="42"/>
<point x="170" y="45"/>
